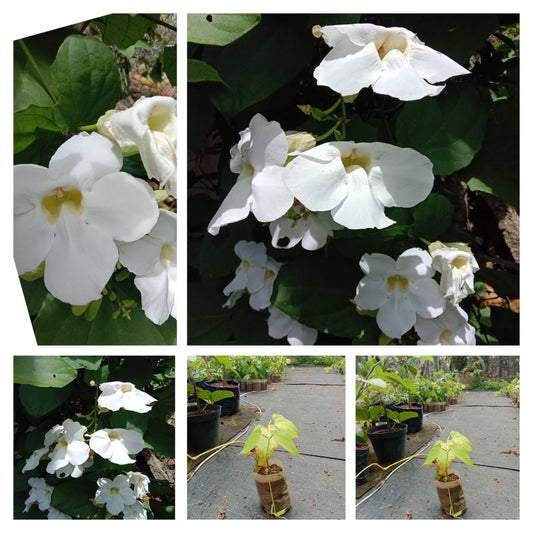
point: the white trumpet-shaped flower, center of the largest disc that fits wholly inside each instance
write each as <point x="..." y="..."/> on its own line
<point x="124" y="395"/>
<point x="117" y="445"/>
<point x="281" y="325"/>
<point x="393" y="61"/>
<point x="70" y="449"/>
<point x="151" y="126"/>
<point x="136" y="511"/>
<point x="457" y="266"/>
<point x="301" y="225"/>
<point x="255" y="274"/>
<point x="258" y="159"/>
<point x="153" y="261"/>
<point x="449" y="329"/>
<point x="70" y="214"/>
<point x="40" y="493"/>
<point x="356" y="181"/>
<point x="400" y="290"/>
<point x="116" y="494"/>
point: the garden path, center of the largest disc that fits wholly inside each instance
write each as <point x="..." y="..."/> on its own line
<point x="223" y="487"/>
<point x="491" y="489"/>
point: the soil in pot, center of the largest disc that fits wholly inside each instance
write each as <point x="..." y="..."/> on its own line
<point x="451" y="495"/>
<point x="361" y="462"/>
<point x="388" y="444"/>
<point x="202" y="428"/>
<point x="272" y="488"/>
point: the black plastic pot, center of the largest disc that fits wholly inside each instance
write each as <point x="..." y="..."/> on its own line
<point x="388" y="444"/>
<point x="230" y="406"/>
<point x="413" y="424"/>
<point x="202" y="428"/>
<point x="361" y="462"/>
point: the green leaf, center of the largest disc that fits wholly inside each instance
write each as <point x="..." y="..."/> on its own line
<point x="219" y="29"/>
<point x="28" y="90"/>
<point x="73" y="497"/>
<point x="317" y="293"/>
<point x="88" y="362"/>
<point x="43" y="371"/>
<point x="200" y="71"/>
<point x="85" y="77"/>
<point x="448" y="129"/>
<point x="26" y="122"/>
<point x="130" y="420"/>
<point x="39" y="401"/>
<point x="161" y="437"/>
<point x="123" y="30"/>
<point x="432" y="217"/>
<point x="170" y="62"/>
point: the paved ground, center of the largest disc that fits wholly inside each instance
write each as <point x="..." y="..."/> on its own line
<point x="491" y="489"/>
<point x="223" y="486"/>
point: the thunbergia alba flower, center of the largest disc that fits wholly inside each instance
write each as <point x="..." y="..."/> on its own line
<point x="400" y="290"/>
<point x="135" y="511"/>
<point x="33" y="460"/>
<point x="150" y="125"/>
<point x="255" y="274"/>
<point x="457" y="266"/>
<point x="281" y="325"/>
<point x="356" y="181"/>
<point x="70" y="448"/>
<point x="258" y="159"/>
<point x="153" y="261"/>
<point x="140" y="484"/>
<point x="124" y="395"/>
<point x="309" y="228"/>
<point x="449" y="329"/>
<point x="392" y="61"/>
<point x="74" y="471"/>
<point x="116" y="493"/>
<point x="71" y="213"/>
<point x="40" y="492"/>
<point x="116" y="445"/>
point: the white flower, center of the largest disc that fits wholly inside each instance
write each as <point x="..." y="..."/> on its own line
<point x="457" y="265"/>
<point x="258" y="158"/>
<point x="153" y="261"/>
<point x="391" y="60"/>
<point x="282" y="325"/>
<point x="115" y="494"/>
<point x="140" y="484"/>
<point x="449" y="329"/>
<point x="70" y="215"/>
<point x="400" y="290"/>
<point x="255" y="274"/>
<point x="116" y="445"/>
<point x="40" y="492"/>
<point x="135" y="511"/>
<point x="33" y="460"/>
<point x="123" y="395"/>
<point x="150" y="125"/>
<point x="54" y="514"/>
<point x="74" y="471"/>
<point x="357" y="181"/>
<point x="70" y="448"/>
<point x="301" y="225"/>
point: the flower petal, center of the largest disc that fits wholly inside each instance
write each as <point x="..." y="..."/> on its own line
<point x="235" y="206"/>
<point x="371" y="294"/>
<point x="426" y="298"/>
<point x="270" y="197"/>
<point x="432" y="65"/>
<point x="84" y="159"/>
<point x="80" y="261"/>
<point x="121" y="206"/>
<point x="269" y="145"/>
<point x="396" y="316"/>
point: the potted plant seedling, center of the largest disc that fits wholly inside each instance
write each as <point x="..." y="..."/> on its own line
<point x="203" y="415"/>
<point x="447" y="482"/>
<point x="268" y="473"/>
<point x="389" y="439"/>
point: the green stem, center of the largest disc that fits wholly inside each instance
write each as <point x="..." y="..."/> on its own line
<point x="334" y="106"/>
<point x="344" y="121"/>
<point x="91" y="127"/>
<point x="33" y="63"/>
<point x="328" y="133"/>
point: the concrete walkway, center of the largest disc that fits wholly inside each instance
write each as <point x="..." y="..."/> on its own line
<point x="223" y="487"/>
<point x="491" y="489"/>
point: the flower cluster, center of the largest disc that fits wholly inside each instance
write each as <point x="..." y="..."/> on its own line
<point x="405" y="294"/>
<point x="70" y="451"/>
<point x="83" y="213"/>
<point x="306" y="190"/>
